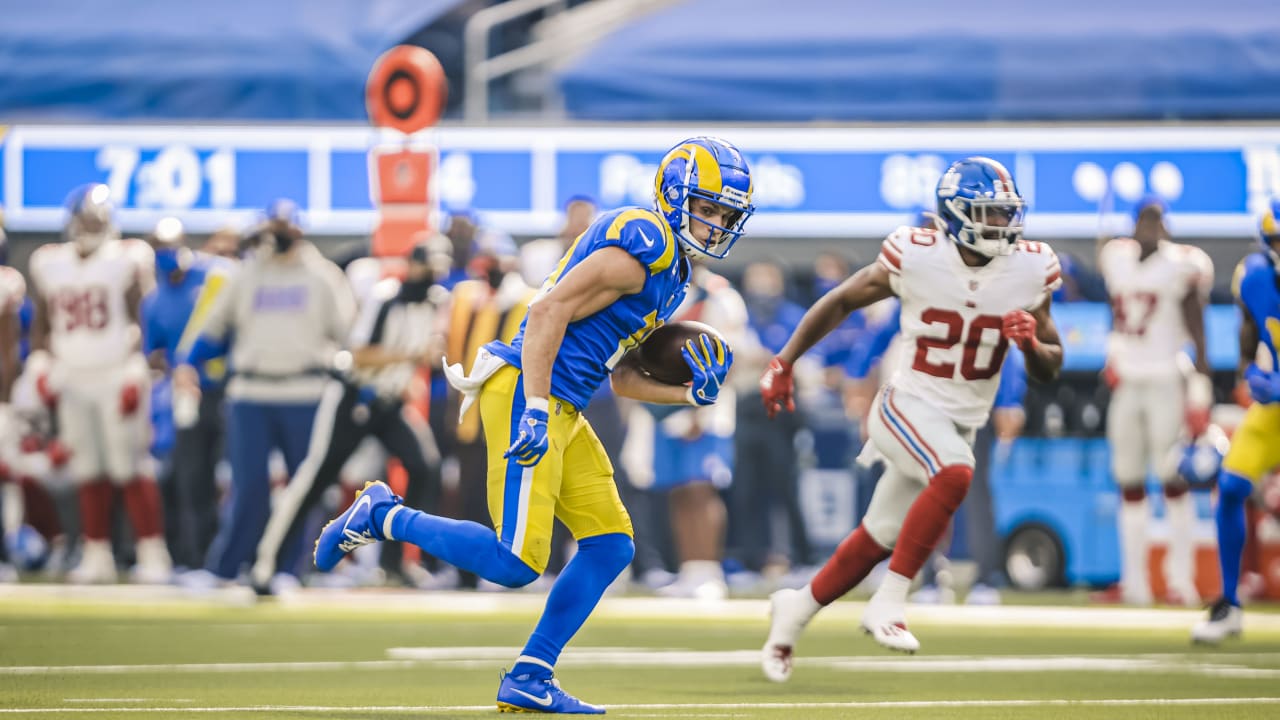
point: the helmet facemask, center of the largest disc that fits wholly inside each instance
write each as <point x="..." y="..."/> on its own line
<point x="720" y="238"/>
<point x="988" y="226"/>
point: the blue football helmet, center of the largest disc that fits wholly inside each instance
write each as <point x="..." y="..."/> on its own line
<point x="1269" y="230"/>
<point x="711" y="169"/>
<point x="980" y="206"/>
<point x="89" y="222"/>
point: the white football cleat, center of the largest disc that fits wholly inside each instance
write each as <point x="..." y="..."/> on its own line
<point x="789" y="612"/>
<point x="97" y="565"/>
<point x="1225" y="620"/>
<point x="154" y="567"/>
<point x="888" y="626"/>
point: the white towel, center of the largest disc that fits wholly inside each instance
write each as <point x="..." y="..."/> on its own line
<point x="485" y="366"/>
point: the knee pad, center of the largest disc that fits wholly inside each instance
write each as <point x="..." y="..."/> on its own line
<point x="1234" y="488"/>
<point x="511" y="571"/>
<point x="614" y="550"/>
<point x="952" y="483"/>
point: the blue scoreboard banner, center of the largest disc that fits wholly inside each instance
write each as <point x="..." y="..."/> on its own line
<point x="810" y="182"/>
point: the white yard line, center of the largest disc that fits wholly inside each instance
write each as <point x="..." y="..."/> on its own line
<point x="888" y="704"/>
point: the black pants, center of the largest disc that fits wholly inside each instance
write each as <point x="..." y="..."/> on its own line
<point x="342" y="422"/>
<point x="191" y="507"/>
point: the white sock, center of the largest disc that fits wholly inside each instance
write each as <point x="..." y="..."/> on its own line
<point x="1179" y="560"/>
<point x="700" y="571"/>
<point x="1133" y="547"/>
<point x="893" y="589"/>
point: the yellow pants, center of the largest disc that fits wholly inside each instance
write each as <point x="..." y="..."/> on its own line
<point x="1255" y="445"/>
<point x="573" y="481"/>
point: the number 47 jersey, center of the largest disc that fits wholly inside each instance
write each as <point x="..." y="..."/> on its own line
<point x="953" y="347"/>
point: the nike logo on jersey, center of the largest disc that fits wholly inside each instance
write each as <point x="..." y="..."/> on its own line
<point x="544" y="701"/>
<point x="647" y="241"/>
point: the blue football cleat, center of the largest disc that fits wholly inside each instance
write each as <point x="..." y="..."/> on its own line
<point x="529" y="694"/>
<point x="355" y="527"/>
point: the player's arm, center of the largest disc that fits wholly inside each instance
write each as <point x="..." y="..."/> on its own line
<point x="1039" y="342"/>
<point x="592" y="285"/>
<point x="629" y="381"/>
<point x="1248" y="338"/>
<point x="868" y="285"/>
<point x="9" y="339"/>
<point x="133" y="307"/>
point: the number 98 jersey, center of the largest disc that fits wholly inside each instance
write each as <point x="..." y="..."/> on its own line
<point x="89" y="325"/>
<point x="953" y="347"/>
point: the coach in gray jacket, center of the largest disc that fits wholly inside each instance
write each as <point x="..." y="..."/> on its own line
<point x="281" y="321"/>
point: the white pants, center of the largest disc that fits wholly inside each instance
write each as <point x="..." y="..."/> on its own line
<point x="1144" y="422"/>
<point x="103" y="441"/>
<point x="916" y="441"/>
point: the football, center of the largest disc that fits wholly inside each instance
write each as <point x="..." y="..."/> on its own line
<point x="659" y="355"/>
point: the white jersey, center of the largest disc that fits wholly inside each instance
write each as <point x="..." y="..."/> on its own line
<point x="12" y="289"/>
<point x="1148" y="330"/>
<point x="952" y="315"/>
<point x="144" y="262"/>
<point x="89" y="323"/>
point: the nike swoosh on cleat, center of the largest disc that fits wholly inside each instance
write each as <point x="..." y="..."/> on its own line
<point x="354" y="509"/>
<point x="543" y="701"/>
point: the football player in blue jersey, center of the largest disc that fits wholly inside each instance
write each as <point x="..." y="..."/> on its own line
<point x="1255" y="446"/>
<point x="623" y="277"/>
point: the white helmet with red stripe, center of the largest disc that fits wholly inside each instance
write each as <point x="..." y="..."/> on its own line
<point x="980" y="206"/>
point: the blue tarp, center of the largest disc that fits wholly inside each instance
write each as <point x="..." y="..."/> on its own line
<point x="934" y="60"/>
<point x="177" y="59"/>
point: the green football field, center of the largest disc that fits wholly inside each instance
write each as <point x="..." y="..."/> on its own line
<point x="377" y="654"/>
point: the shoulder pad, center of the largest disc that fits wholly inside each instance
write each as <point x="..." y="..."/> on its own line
<point x="645" y="235"/>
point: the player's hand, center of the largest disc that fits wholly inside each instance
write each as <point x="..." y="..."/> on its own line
<point x="129" y="396"/>
<point x="532" y="442"/>
<point x="777" y="388"/>
<point x="187" y="379"/>
<point x="1110" y="377"/>
<point x="710" y="360"/>
<point x="1263" y="386"/>
<point x="1199" y="404"/>
<point x="1020" y="327"/>
<point x="58" y="453"/>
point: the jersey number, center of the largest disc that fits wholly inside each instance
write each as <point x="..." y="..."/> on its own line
<point x="1133" y="312"/>
<point x="651" y="322"/>
<point x="954" y="325"/>
<point x="84" y="308"/>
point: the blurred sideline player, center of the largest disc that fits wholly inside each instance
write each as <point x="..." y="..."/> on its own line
<point x="1255" y="445"/>
<point x="968" y="288"/>
<point x="87" y="361"/>
<point x="692" y="451"/>
<point x="1158" y="292"/>
<point x="621" y="279"/>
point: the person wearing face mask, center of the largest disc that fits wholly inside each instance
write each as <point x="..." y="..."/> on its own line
<point x="280" y="321"/>
<point x="398" y="329"/>
<point x="186" y="285"/>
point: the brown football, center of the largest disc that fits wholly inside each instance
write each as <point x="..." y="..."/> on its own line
<point x="659" y="354"/>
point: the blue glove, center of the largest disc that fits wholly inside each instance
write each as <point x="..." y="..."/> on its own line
<point x="1263" y="386"/>
<point x="709" y="359"/>
<point x="532" y="442"/>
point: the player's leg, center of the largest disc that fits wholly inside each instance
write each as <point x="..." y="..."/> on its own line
<point x="521" y="500"/>
<point x="913" y="434"/>
<point x="693" y="473"/>
<point x="590" y="508"/>
<point x="78" y="430"/>
<point x="335" y="433"/>
<point x="245" y="513"/>
<point x="126" y="434"/>
<point x="1165" y="420"/>
<point x="869" y="544"/>
<point x="1255" y="451"/>
<point x="1127" y="441"/>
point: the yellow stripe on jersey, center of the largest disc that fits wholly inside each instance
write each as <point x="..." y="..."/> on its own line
<point x="669" y="246"/>
<point x="214" y="282"/>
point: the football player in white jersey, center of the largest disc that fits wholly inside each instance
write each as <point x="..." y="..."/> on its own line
<point x="1158" y="293"/>
<point x="13" y="290"/>
<point x="968" y="288"/>
<point x="87" y="360"/>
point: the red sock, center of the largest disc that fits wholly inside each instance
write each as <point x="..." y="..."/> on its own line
<point x="851" y="562"/>
<point x="928" y="517"/>
<point x="142" y="500"/>
<point x="42" y="513"/>
<point x="96" y="499"/>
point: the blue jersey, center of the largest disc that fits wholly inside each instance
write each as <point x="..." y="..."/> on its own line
<point x="1255" y="289"/>
<point x="594" y="344"/>
<point x="171" y="314"/>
